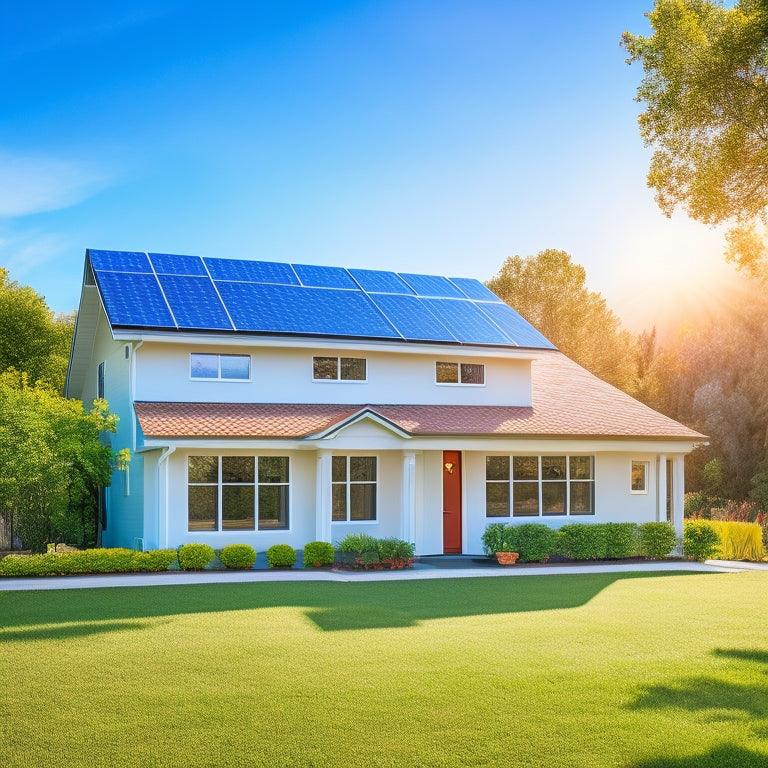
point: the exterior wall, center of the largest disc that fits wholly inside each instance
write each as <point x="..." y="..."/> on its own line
<point x="285" y="376"/>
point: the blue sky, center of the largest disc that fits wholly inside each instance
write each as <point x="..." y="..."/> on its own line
<point x="436" y="136"/>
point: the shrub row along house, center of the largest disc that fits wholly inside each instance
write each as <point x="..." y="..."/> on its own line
<point x="270" y="403"/>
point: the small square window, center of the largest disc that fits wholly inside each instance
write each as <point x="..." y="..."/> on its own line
<point x="447" y="373"/>
<point x="639" y="477"/>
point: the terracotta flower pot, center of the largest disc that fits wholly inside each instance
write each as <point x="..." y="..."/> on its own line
<point x="507" y="558"/>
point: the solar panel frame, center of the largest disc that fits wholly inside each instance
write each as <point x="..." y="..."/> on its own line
<point x="411" y="318"/>
<point x="119" y="261"/>
<point x="475" y="290"/>
<point x="380" y="281"/>
<point x="514" y="325"/>
<point x="314" y="276"/>
<point x="242" y="270"/>
<point x="432" y="285"/>
<point x="466" y="322"/>
<point x="134" y="299"/>
<point x="171" y="264"/>
<point x="195" y="302"/>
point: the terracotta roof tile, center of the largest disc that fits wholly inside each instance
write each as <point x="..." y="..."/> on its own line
<point x="568" y="401"/>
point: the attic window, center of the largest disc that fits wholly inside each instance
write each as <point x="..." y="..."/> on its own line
<point x="339" y="368"/>
<point x="220" y="367"/>
<point x="459" y="373"/>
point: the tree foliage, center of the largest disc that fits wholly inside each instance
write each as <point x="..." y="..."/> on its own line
<point x="51" y="463"/>
<point x="32" y="338"/>
<point x="705" y="91"/>
<point x="550" y="292"/>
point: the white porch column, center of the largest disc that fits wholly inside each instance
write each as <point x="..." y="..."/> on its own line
<point x="678" y="493"/>
<point x="408" y="505"/>
<point x="323" y="496"/>
<point x="661" y="488"/>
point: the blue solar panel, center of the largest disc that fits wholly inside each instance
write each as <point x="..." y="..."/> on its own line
<point x="252" y="271"/>
<point x="519" y="330"/>
<point x="431" y="285"/>
<point x="166" y="264"/>
<point x="410" y="317"/>
<point x="375" y="281"/>
<point x="120" y="261"/>
<point x="474" y="289"/>
<point x="465" y="321"/>
<point x="316" y="311"/>
<point x="134" y="299"/>
<point x="324" y="277"/>
<point x="194" y="302"/>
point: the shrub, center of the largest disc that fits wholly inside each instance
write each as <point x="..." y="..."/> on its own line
<point x="238" y="556"/>
<point x="621" y="540"/>
<point x="657" y="539"/>
<point x="739" y="541"/>
<point x="499" y="537"/>
<point x="395" y="549"/>
<point x="87" y="561"/>
<point x="281" y="556"/>
<point x="700" y="539"/>
<point x="318" y="553"/>
<point x="357" y="543"/>
<point x="535" y="541"/>
<point x="194" y="557"/>
<point x="581" y="541"/>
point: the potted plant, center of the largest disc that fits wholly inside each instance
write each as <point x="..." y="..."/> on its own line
<point x="500" y="539"/>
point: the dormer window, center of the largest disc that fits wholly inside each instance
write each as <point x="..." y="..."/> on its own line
<point x="339" y="368"/>
<point x="220" y="367"/>
<point x="459" y="373"/>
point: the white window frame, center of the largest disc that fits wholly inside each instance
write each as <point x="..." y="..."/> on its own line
<point x="349" y="483"/>
<point x="338" y="379"/>
<point x="218" y="357"/>
<point x="458" y="383"/>
<point x="646" y="476"/>
<point x="220" y="492"/>
<point x="540" y="482"/>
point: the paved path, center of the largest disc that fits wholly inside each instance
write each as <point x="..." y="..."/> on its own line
<point x="419" y="571"/>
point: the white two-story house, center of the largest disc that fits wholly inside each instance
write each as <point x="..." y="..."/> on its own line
<point x="270" y="403"/>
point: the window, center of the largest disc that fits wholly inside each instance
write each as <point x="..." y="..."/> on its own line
<point x="459" y="373"/>
<point x="535" y="486"/>
<point x="232" y="493"/>
<point x="220" y="367"/>
<point x="639" y="477"/>
<point x="353" y="488"/>
<point x="338" y="368"/>
<point x="100" y="381"/>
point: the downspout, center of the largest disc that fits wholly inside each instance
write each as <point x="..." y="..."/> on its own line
<point x="162" y="544"/>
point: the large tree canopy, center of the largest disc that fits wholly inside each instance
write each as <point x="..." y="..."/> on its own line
<point x="32" y="339"/>
<point x="705" y="90"/>
<point x="550" y="292"/>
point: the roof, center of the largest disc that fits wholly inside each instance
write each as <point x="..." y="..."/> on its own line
<point x="568" y="401"/>
<point x="189" y="294"/>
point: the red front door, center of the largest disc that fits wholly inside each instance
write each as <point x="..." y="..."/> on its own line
<point x="452" y="502"/>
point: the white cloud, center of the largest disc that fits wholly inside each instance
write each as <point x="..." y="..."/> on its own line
<point x="37" y="184"/>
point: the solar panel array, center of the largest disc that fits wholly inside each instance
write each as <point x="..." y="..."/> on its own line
<point x="189" y="293"/>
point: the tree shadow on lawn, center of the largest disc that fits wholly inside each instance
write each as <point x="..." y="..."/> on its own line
<point x="725" y="701"/>
<point x="331" y="606"/>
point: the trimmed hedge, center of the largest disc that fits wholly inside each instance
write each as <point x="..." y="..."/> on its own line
<point x="621" y="540"/>
<point x="535" y="542"/>
<point x="657" y="540"/>
<point x="318" y="553"/>
<point x="238" y="556"/>
<point x="194" y="557"/>
<point x="700" y="539"/>
<point x="580" y="541"/>
<point x="360" y="549"/>
<point x="281" y="556"/>
<point x="87" y="561"/>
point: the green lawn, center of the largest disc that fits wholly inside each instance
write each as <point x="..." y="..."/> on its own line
<point x="637" y="671"/>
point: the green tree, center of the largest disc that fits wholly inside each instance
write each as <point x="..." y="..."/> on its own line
<point x="705" y="91"/>
<point x="550" y="292"/>
<point x="52" y="462"/>
<point x="32" y="338"/>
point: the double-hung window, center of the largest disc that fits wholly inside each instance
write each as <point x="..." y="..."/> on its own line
<point x="339" y="368"/>
<point x="235" y="493"/>
<point x="459" y="373"/>
<point x="535" y="486"/>
<point x="353" y="488"/>
<point x="220" y="367"/>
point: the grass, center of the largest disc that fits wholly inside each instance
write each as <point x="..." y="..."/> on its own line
<point x="651" y="671"/>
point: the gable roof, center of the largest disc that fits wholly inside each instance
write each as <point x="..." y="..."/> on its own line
<point x="151" y="291"/>
<point x="568" y="401"/>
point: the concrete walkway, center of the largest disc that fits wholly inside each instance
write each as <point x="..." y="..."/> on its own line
<point x="421" y="570"/>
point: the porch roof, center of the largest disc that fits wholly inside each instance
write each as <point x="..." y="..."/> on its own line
<point x="568" y="401"/>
